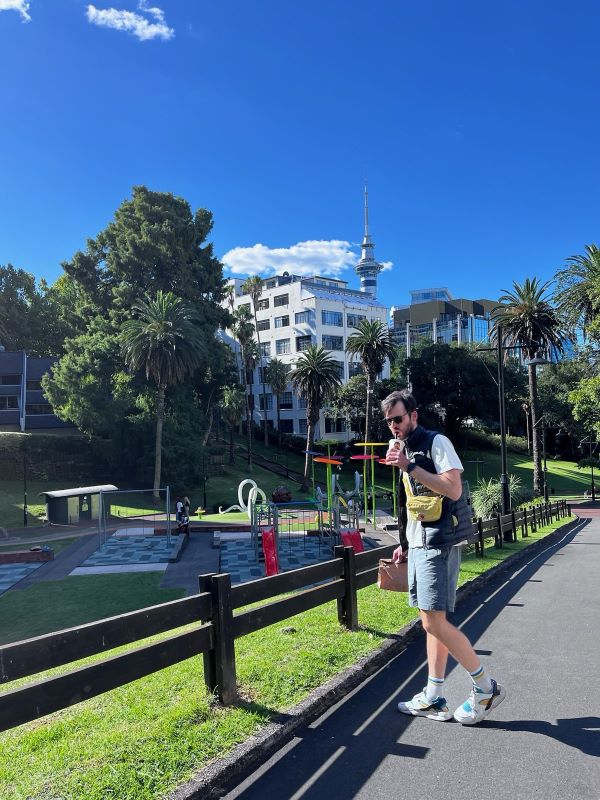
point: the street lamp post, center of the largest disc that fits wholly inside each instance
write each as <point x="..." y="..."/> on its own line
<point x="505" y="496"/>
<point x="525" y="408"/>
<point x="25" y="514"/>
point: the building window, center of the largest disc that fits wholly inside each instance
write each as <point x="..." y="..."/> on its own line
<point x="9" y="402"/>
<point x="10" y="380"/>
<point x="282" y="322"/>
<point x="271" y="284"/>
<point x="250" y="376"/>
<point x="269" y="399"/>
<point x="339" y="365"/>
<point x="301" y="402"/>
<point x="302" y="426"/>
<point x="251" y="402"/>
<point x="335" y="425"/>
<point x="38" y="408"/>
<point x="302" y="317"/>
<point x="303" y="343"/>
<point x="332" y="342"/>
<point x="265" y="349"/>
<point x="244" y="307"/>
<point x="285" y="401"/>
<point x="355" y="368"/>
<point x="263" y="304"/>
<point x="281" y="300"/>
<point x="352" y="320"/>
<point x="263" y="325"/>
<point x="282" y="347"/>
<point x="332" y="318"/>
<point x="286" y="425"/>
<point x="262" y="375"/>
<point x="34" y="385"/>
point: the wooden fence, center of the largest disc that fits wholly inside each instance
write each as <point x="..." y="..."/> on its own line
<point x="216" y="630"/>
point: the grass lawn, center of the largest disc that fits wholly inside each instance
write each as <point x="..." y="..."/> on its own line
<point x="139" y="741"/>
<point x="57" y="545"/>
<point x="53" y="605"/>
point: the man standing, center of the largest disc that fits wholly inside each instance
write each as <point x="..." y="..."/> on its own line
<point x="430" y="465"/>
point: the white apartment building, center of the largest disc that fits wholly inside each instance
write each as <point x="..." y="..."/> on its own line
<point x="293" y="313"/>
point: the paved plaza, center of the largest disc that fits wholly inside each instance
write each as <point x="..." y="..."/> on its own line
<point x="129" y="551"/>
<point x="13" y="573"/>
<point x="239" y="557"/>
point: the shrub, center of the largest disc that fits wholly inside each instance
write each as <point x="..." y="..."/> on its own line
<point x="487" y="496"/>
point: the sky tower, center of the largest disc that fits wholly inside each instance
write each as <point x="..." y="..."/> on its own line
<point x="367" y="268"/>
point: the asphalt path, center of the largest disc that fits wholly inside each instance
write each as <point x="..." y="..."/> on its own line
<point x="536" y="629"/>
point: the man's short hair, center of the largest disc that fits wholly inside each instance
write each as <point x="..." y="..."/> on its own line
<point x="403" y="396"/>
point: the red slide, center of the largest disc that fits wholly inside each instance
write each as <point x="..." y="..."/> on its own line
<point x="270" y="551"/>
<point x="352" y="538"/>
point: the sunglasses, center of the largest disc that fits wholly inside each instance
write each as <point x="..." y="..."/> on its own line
<point x="396" y="420"/>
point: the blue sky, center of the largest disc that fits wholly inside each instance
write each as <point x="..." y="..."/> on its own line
<point x="476" y="124"/>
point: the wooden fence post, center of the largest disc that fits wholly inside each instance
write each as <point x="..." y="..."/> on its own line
<point x="524" y="529"/>
<point x="479" y="545"/>
<point x="498" y="537"/>
<point x="348" y="604"/>
<point x="223" y="653"/>
<point x="210" y="672"/>
<point x="514" y="525"/>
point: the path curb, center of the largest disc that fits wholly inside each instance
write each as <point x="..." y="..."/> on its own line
<point x="220" y="776"/>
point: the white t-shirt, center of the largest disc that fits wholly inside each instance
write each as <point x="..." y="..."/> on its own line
<point x="444" y="458"/>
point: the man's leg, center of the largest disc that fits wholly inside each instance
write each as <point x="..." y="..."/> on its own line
<point x="443" y="637"/>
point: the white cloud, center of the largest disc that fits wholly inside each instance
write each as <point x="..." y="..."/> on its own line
<point x="130" y="22"/>
<point x="305" y="258"/>
<point x="16" y="5"/>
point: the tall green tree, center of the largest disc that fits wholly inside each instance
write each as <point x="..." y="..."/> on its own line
<point x="373" y="344"/>
<point x="232" y="407"/>
<point x="156" y="243"/>
<point x="578" y="289"/>
<point x="525" y="319"/>
<point x="254" y="287"/>
<point x="278" y="375"/>
<point x="243" y="332"/>
<point x="315" y="378"/>
<point x="163" y="341"/>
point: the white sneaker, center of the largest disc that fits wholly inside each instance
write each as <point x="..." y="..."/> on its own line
<point x="420" y="706"/>
<point x="479" y="704"/>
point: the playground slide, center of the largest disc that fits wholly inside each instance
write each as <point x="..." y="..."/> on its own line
<point x="352" y="538"/>
<point x="270" y="551"/>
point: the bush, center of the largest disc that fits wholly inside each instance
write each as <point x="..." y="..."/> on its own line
<point x="491" y="441"/>
<point x="487" y="496"/>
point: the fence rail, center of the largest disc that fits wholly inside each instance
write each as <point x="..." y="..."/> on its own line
<point x="212" y="609"/>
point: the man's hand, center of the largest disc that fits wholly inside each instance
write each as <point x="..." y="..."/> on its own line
<point x="399" y="555"/>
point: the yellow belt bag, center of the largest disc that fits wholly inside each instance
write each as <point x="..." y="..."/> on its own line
<point x="424" y="508"/>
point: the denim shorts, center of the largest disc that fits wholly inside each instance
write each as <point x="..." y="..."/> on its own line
<point x="432" y="577"/>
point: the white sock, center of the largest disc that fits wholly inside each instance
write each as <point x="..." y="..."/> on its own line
<point x="434" y="687"/>
<point x="481" y="679"/>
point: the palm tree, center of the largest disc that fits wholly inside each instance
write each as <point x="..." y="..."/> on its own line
<point x="315" y="377"/>
<point x="578" y="288"/>
<point x="373" y="344"/>
<point x="254" y="287"/>
<point x="243" y="331"/>
<point x="525" y="319"/>
<point x="232" y="407"/>
<point x="278" y="374"/>
<point x="163" y="340"/>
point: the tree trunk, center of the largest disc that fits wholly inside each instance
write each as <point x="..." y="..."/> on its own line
<point x="231" y="450"/>
<point x="278" y="422"/>
<point x="535" y="432"/>
<point x="160" y="415"/>
<point x="368" y="409"/>
<point x="310" y="436"/>
<point x="208" y="428"/>
<point x="260" y="366"/>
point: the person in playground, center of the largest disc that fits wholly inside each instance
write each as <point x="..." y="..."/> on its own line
<point x="431" y="466"/>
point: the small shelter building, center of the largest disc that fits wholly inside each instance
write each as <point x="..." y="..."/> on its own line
<point x="73" y="506"/>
